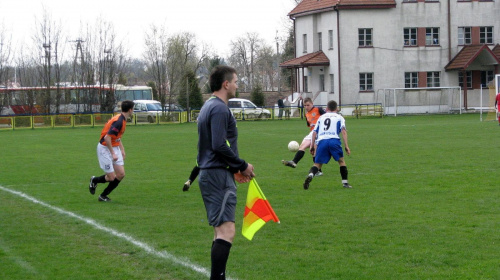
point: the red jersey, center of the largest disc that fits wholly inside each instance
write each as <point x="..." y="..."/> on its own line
<point x="497" y="100"/>
<point x="313" y="116"/>
<point x="115" y="128"/>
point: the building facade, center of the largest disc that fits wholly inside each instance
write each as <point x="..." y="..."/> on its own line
<point x="352" y="50"/>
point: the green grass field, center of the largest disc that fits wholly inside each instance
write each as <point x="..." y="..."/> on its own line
<point x="425" y="204"/>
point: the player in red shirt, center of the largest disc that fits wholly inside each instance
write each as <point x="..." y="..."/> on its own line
<point x="497" y="101"/>
<point x="312" y="116"/>
<point x="111" y="153"/>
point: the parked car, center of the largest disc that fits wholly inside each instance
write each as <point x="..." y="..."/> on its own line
<point x="250" y="110"/>
<point x="173" y="108"/>
<point x="147" y="110"/>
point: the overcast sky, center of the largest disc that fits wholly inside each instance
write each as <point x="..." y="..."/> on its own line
<point x="215" y="22"/>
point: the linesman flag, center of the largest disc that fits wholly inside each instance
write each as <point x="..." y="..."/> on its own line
<point x="258" y="211"/>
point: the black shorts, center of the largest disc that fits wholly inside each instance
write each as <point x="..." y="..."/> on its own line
<point x="218" y="191"/>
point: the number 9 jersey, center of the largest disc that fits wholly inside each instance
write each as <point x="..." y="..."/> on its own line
<point x="329" y="126"/>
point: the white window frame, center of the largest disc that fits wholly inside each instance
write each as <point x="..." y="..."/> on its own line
<point x="321" y="82"/>
<point x="486" y="77"/>
<point x="332" y="83"/>
<point x="433" y="79"/>
<point x="411" y="79"/>
<point x="410" y="35"/>
<point x="365" y="37"/>
<point x="432" y="36"/>
<point x="330" y="39"/>
<point x="320" y="41"/>
<point x="486" y="35"/>
<point x="366" y="82"/>
<point x="461" y="79"/>
<point x="304" y="39"/>
<point x="464" y="35"/>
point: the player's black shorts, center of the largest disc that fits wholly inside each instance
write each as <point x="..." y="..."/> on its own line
<point x="218" y="191"/>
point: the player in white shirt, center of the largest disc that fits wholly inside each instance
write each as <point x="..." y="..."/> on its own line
<point x="326" y="135"/>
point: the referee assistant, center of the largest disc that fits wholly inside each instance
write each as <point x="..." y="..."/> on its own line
<point x="220" y="165"/>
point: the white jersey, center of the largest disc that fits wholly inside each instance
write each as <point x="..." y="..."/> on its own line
<point x="329" y="126"/>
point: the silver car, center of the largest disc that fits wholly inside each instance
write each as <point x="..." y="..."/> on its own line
<point x="147" y="110"/>
<point x="249" y="110"/>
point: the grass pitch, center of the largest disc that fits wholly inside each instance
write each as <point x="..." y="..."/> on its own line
<point x="425" y="204"/>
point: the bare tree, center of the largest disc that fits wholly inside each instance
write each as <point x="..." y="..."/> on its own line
<point x="170" y="58"/>
<point x="244" y="56"/>
<point x="5" y="60"/>
<point x="182" y="57"/>
<point x="28" y="76"/>
<point x="156" y="41"/>
<point x="103" y="58"/>
<point x="5" y="56"/>
<point x="267" y="70"/>
<point x="47" y="40"/>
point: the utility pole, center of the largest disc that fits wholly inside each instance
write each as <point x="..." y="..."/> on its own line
<point x="78" y="77"/>
<point x="47" y="69"/>
<point x="277" y="62"/>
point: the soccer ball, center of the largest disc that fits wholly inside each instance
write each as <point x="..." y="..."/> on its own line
<point x="293" y="146"/>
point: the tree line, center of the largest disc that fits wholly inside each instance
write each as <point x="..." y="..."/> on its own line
<point x="176" y="66"/>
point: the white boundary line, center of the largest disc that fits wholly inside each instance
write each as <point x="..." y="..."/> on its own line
<point x="163" y="254"/>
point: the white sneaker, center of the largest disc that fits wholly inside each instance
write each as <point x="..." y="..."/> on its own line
<point x="318" y="174"/>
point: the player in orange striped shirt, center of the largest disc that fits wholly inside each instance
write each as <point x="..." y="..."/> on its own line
<point x="312" y="116"/>
<point x="111" y="153"/>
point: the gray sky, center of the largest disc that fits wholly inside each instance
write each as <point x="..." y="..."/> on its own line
<point x="208" y="19"/>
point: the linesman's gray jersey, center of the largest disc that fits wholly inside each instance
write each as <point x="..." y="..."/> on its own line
<point x="217" y="137"/>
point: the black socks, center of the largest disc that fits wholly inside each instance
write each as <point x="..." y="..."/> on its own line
<point x="111" y="186"/>
<point x="343" y="172"/>
<point x="100" y="179"/>
<point x="313" y="170"/>
<point x="219" y="255"/>
<point x="298" y="156"/>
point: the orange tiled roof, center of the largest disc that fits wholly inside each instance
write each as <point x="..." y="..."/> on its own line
<point x="311" y="59"/>
<point x="313" y="6"/>
<point x="467" y="55"/>
<point x="496" y="50"/>
<point x="366" y="4"/>
<point x="307" y="7"/>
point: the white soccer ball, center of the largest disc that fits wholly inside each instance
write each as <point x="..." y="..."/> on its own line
<point x="293" y="146"/>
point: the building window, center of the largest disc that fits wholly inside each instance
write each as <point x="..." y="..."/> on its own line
<point x="432" y="36"/>
<point x="306" y="86"/>
<point x="433" y="79"/>
<point x="330" y="39"/>
<point x="320" y="41"/>
<point x="486" y="77"/>
<point x="410" y="36"/>
<point x="366" y="81"/>
<point x="365" y="37"/>
<point x="304" y="39"/>
<point x="461" y="79"/>
<point x="321" y="82"/>
<point x="332" y="84"/>
<point x="411" y="79"/>
<point x="486" y="35"/>
<point x="464" y="36"/>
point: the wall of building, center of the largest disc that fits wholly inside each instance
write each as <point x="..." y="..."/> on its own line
<point x="388" y="59"/>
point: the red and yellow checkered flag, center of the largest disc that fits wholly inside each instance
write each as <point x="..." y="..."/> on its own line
<point x="258" y="211"/>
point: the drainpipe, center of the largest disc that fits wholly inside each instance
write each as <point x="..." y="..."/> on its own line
<point x="338" y="55"/>
<point x="449" y="31"/>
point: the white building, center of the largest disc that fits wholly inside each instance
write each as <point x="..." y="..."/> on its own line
<point x="351" y="50"/>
